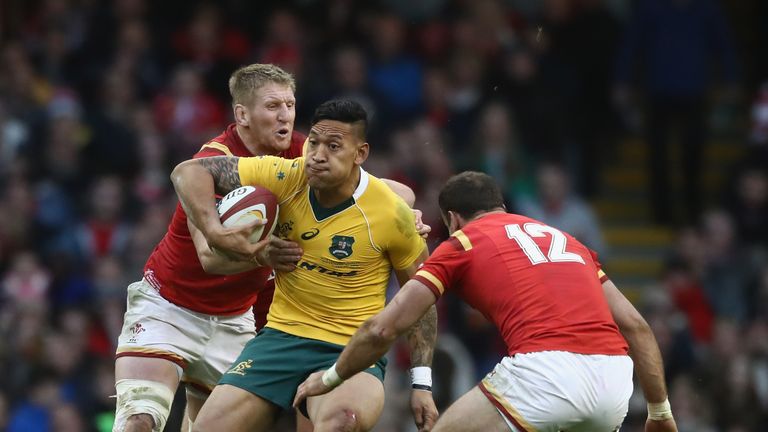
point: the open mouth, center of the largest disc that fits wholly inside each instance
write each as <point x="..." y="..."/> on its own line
<point x="283" y="132"/>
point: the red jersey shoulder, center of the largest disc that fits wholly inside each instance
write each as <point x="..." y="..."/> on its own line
<point x="215" y="147"/>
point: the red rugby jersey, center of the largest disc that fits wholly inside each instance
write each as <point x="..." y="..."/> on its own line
<point x="541" y="287"/>
<point x="174" y="269"/>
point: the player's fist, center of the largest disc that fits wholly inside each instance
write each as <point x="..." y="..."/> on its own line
<point x="312" y="386"/>
<point x="421" y="228"/>
<point x="281" y="255"/>
<point x="667" y="425"/>
<point x="235" y="242"/>
<point x="424" y="410"/>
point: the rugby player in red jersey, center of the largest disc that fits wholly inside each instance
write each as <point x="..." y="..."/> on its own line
<point x="567" y="328"/>
<point x="191" y="314"/>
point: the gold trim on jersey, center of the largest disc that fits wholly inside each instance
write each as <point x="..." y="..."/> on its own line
<point x="463" y="239"/>
<point x="151" y="352"/>
<point x="430" y="277"/>
<point x="510" y="410"/>
<point x="218" y="146"/>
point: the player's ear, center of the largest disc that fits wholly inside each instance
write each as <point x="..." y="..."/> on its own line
<point x="362" y="153"/>
<point x="454" y="222"/>
<point x="241" y="114"/>
<point x="446" y="218"/>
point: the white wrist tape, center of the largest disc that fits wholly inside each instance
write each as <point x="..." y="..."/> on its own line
<point x="660" y="411"/>
<point x="331" y="378"/>
<point x="421" y="375"/>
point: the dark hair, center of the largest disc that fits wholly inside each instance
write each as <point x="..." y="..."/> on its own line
<point x="343" y="110"/>
<point x="470" y="192"/>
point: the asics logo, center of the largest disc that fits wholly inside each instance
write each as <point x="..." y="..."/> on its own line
<point x="310" y="234"/>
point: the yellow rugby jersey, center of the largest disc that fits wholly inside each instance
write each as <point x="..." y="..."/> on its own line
<point x="349" y="250"/>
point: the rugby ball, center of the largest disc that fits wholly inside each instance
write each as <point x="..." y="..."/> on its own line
<point x="247" y="204"/>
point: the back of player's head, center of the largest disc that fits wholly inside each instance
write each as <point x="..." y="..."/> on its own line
<point x="469" y="193"/>
<point x="246" y="80"/>
<point x="342" y="110"/>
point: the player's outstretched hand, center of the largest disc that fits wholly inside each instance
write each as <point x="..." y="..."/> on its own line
<point x="660" y="425"/>
<point x="312" y="386"/>
<point x="234" y="242"/>
<point x="281" y="255"/>
<point x="422" y="228"/>
<point x="424" y="410"/>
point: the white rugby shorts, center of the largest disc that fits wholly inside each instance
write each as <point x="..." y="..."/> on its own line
<point x="204" y="346"/>
<point x="553" y="391"/>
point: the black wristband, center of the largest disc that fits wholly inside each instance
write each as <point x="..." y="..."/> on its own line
<point x="421" y="387"/>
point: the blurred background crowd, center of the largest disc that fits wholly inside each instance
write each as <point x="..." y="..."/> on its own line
<point x="639" y="127"/>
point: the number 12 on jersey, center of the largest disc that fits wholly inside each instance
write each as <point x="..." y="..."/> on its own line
<point x="556" y="253"/>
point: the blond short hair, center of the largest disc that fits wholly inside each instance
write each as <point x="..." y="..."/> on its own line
<point x="246" y="80"/>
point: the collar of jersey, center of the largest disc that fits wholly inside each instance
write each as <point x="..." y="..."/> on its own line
<point x="322" y="213"/>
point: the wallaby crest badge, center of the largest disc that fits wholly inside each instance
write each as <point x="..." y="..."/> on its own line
<point x="341" y="246"/>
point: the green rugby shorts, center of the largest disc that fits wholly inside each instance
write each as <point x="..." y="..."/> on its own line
<point x="274" y="364"/>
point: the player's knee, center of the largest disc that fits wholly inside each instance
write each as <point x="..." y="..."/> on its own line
<point x="341" y="420"/>
<point x="139" y="423"/>
<point x="141" y="403"/>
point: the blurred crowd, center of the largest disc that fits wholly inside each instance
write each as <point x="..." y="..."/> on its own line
<point x="100" y="99"/>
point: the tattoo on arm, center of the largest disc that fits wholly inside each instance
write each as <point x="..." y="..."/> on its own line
<point x="422" y="337"/>
<point x="224" y="172"/>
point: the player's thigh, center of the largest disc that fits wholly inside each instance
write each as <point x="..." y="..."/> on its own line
<point x="155" y="328"/>
<point x="186" y="424"/>
<point x="302" y="423"/>
<point x="354" y="405"/>
<point x="195" y="402"/>
<point x="148" y="368"/>
<point x="227" y="340"/>
<point x="471" y="412"/>
<point x="233" y="409"/>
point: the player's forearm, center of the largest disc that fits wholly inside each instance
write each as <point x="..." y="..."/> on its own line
<point x="368" y="344"/>
<point x="422" y="337"/>
<point x="217" y="264"/>
<point x="213" y="262"/>
<point x="194" y="187"/>
<point x="649" y="366"/>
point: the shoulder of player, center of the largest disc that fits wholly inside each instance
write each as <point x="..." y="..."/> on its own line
<point x="378" y="198"/>
<point x="378" y="191"/>
<point x="223" y="145"/>
<point x="213" y="148"/>
<point x="275" y="160"/>
<point x="461" y="240"/>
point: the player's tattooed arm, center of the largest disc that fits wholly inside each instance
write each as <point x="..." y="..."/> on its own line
<point x="422" y="337"/>
<point x="196" y="182"/>
<point x="224" y="171"/>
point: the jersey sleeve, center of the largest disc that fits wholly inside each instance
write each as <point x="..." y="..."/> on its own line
<point x="283" y="177"/>
<point x="212" y="148"/>
<point x="444" y="267"/>
<point x="600" y="273"/>
<point x="404" y="245"/>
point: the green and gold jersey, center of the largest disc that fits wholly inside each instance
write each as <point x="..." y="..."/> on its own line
<point x="349" y="250"/>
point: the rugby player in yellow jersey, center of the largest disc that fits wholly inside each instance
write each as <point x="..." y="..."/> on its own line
<point x="353" y="231"/>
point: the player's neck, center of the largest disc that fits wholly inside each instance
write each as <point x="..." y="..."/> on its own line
<point x="335" y="195"/>
<point x="250" y="143"/>
<point x="488" y="213"/>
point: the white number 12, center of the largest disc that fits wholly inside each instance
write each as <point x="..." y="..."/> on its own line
<point x="556" y="251"/>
